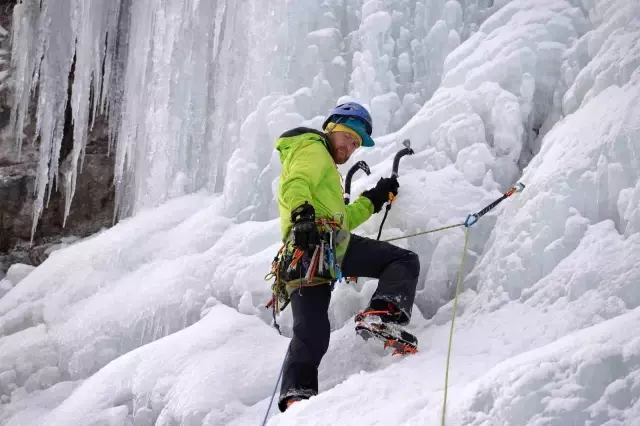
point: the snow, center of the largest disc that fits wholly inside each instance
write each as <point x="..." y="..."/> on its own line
<point x="16" y="273"/>
<point x="160" y="319"/>
<point x="164" y="387"/>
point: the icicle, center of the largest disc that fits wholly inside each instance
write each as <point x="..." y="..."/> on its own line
<point x="57" y="55"/>
<point x="25" y="57"/>
<point x="95" y="24"/>
<point x="176" y="78"/>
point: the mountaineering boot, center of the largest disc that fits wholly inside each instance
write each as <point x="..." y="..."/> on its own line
<point x="386" y="311"/>
<point x="381" y="324"/>
<point x="391" y="335"/>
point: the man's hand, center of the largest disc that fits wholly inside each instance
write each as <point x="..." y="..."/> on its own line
<point x="305" y="231"/>
<point x="380" y="194"/>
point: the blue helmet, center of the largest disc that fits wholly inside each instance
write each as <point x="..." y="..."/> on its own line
<point x="351" y="109"/>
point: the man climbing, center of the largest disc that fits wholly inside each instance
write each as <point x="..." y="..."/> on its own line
<point x="316" y="225"/>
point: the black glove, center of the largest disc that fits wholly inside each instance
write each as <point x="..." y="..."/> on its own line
<point x="380" y="194"/>
<point x="305" y="231"/>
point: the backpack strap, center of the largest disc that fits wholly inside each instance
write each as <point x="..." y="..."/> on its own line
<point x="302" y="130"/>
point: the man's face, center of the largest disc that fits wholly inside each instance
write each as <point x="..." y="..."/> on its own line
<point x="343" y="144"/>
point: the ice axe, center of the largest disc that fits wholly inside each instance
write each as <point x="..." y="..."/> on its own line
<point x="396" y="164"/>
<point x="360" y="165"/>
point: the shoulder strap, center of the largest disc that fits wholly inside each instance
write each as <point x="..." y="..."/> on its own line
<point x="302" y="130"/>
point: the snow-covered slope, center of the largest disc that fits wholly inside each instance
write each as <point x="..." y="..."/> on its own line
<point x="159" y="320"/>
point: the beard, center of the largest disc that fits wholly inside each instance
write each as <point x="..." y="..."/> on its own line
<point x="341" y="156"/>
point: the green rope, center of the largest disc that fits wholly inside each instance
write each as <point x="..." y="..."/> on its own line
<point x="425" y="232"/>
<point x="455" y="305"/>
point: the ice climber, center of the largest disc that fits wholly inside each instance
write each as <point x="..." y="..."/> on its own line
<point x="319" y="247"/>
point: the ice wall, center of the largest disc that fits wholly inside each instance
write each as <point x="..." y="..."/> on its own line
<point x="129" y="327"/>
<point x="196" y="92"/>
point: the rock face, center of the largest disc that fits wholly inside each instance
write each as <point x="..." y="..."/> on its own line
<point x="93" y="201"/>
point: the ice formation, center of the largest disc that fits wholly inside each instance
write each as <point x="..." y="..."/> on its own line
<point x="160" y="319"/>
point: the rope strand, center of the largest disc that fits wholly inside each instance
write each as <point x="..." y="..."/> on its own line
<point x="425" y="232"/>
<point x="275" y="389"/>
<point x="453" y="319"/>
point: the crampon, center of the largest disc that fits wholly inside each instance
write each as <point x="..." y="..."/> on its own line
<point x="391" y="335"/>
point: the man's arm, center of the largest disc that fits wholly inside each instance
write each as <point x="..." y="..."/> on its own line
<point x="359" y="212"/>
<point x="371" y="201"/>
<point x="305" y="168"/>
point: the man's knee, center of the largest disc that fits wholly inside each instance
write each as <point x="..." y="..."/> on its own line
<point x="412" y="262"/>
<point x="313" y="333"/>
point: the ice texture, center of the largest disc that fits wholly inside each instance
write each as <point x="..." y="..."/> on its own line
<point x="160" y="320"/>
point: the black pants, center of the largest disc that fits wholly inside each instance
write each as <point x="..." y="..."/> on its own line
<point x="397" y="270"/>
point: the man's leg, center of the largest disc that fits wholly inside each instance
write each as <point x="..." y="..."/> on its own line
<point x="310" y="342"/>
<point x="396" y="268"/>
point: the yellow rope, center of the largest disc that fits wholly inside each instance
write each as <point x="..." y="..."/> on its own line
<point x="455" y="305"/>
<point x="425" y="232"/>
<point x="455" y="302"/>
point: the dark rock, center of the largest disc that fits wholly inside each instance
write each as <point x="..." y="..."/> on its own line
<point x="91" y="209"/>
<point x="93" y="202"/>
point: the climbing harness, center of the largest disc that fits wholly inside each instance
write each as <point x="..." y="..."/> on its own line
<point x="295" y="267"/>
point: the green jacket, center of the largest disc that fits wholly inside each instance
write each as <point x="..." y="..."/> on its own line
<point x="310" y="174"/>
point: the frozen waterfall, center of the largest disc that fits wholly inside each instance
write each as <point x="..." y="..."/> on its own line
<point x="196" y="91"/>
<point x="160" y="320"/>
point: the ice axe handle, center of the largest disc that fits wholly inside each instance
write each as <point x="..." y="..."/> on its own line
<point x="360" y="165"/>
<point x="396" y="164"/>
<point x="396" y="160"/>
<point x="392" y="198"/>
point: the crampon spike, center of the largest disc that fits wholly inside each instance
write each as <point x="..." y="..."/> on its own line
<point x="399" y="348"/>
